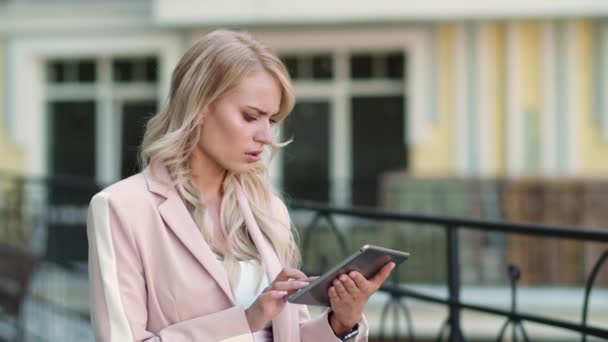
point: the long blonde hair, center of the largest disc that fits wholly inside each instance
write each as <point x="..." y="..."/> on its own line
<point x="211" y="67"/>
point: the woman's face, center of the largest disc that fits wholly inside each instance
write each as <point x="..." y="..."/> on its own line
<point x="238" y="125"/>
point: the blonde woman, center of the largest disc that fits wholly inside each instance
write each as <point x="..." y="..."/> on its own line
<point x="197" y="247"/>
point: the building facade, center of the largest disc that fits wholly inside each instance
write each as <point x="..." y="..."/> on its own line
<point x="442" y="90"/>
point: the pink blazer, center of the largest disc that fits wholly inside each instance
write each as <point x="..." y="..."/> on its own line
<point x="154" y="278"/>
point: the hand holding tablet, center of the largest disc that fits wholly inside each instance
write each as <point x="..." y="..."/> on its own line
<point x="368" y="261"/>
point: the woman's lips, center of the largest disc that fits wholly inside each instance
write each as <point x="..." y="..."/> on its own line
<point x="253" y="156"/>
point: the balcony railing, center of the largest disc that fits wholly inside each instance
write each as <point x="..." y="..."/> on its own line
<point x="324" y="221"/>
<point x="450" y="256"/>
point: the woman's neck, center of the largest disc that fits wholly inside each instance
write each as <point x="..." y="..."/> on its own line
<point x="207" y="176"/>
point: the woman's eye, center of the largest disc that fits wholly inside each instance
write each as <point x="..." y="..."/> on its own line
<point x="249" y="118"/>
<point x="273" y="121"/>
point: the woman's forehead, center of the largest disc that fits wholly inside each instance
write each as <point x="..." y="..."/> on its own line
<point x="260" y="92"/>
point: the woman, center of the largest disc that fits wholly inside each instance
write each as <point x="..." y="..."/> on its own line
<point x="197" y="247"/>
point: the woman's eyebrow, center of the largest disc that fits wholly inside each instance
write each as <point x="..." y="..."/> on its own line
<point x="261" y="112"/>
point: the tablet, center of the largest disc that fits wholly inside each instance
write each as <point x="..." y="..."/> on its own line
<point x="368" y="261"/>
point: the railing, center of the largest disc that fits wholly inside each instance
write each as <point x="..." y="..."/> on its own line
<point x="52" y="214"/>
<point x="451" y="329"/>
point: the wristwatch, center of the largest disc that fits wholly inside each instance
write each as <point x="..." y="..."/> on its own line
<point x="344" y="336"/>
<point x="349" y="334"/>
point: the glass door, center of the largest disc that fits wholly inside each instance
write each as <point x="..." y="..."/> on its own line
<point x="134" y="116"/>
<point x="377" y="144"/>
<point x="306" y="159"/>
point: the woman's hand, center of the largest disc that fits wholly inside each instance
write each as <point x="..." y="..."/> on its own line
<point x="273" y="298"/>
<point x="348" y="295"/>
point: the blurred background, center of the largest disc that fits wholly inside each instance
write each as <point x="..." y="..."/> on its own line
<point x="487" y="110"/>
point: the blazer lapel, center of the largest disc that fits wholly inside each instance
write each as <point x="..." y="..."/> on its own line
<point x="178" y="219"/>
<point x="281" y="324"/>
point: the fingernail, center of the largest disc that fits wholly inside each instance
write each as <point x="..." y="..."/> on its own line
<point x="303" y="283"/>
<point x="343" y="277"/>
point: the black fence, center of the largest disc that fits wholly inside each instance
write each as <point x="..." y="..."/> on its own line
<point x="324" y="222"/>
<point x="47" y="216"/>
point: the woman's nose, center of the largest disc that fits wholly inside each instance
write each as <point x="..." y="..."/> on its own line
<point x="264" y="134"/>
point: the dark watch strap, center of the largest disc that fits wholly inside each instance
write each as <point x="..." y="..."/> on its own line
<point x="349" y="334"/>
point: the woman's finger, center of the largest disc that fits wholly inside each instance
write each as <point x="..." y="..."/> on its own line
<point x="279" y="294"/>
<point x="350" y="286"/>
<point x="290" y="273"/>
<point x="309" y="279"/>
<point x="274" y="294"/>
<point x="288" y="285"/>
<point x="341" y="290"/>
<point x="333" y="295"/>
<point x="359" y="280"/>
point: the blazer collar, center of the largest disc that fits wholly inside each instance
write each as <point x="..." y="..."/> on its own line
<point x="180" y="221"/>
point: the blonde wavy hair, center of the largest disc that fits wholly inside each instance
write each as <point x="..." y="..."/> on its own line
<point x="208" y="70"/>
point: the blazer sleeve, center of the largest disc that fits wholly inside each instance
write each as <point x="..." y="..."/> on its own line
<point x="315" y="329"/>
<point x="118" y="288"/>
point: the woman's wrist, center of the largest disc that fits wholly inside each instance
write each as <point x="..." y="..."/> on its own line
<point x="338" y="327"/>
<point x="254" y="319"/>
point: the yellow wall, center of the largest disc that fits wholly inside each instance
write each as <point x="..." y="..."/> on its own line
<point x="437" y="157"/>
<point x="11" y="158"/>
<point x="496" y="95"/>
<point x="531" y="66"/>
<point x="594" y="149"/>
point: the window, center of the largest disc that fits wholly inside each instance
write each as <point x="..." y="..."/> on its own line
<point x="342" y="157"/>
<point x="71" y="71"/>
<point x="377" y="65"/>
<point x="96" y="111"/>
<point x="310" y="67"/>
<point x="125" y="70"/>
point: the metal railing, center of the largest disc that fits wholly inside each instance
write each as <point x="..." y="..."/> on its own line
<point x="452" y="328"/>
<point x="52" y="211"/>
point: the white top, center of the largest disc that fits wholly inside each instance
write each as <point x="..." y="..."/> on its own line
<point x="247" y="291"/>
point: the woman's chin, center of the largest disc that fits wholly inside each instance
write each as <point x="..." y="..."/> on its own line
<point x="243" y="168"/>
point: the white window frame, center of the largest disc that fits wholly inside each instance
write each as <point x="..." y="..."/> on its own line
<point x="27" y="98"/>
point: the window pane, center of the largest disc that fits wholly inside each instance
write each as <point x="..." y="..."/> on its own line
<point x="361" y="66"/>
<point x="151" y="69"/>
<point x="71" y="152"/>
<point x="305" y="65"/>
<point x="72" y="138"/>
<point x="135" y="115"/>
<point x="291" y="63"/>
<point x="305" y="165"/>
<point x="378" y="144"/>
<point x="55" y="72"/>
<point x="86" y="71"/>
<point x="123" y="70"/>
<point x="322" y="67"/>
<point x="394" y="65"/>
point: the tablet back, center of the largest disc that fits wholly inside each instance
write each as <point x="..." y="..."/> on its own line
<point x="368" y="260"/>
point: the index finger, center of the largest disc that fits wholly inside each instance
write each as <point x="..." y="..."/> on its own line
<point x="290" y="273"/>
